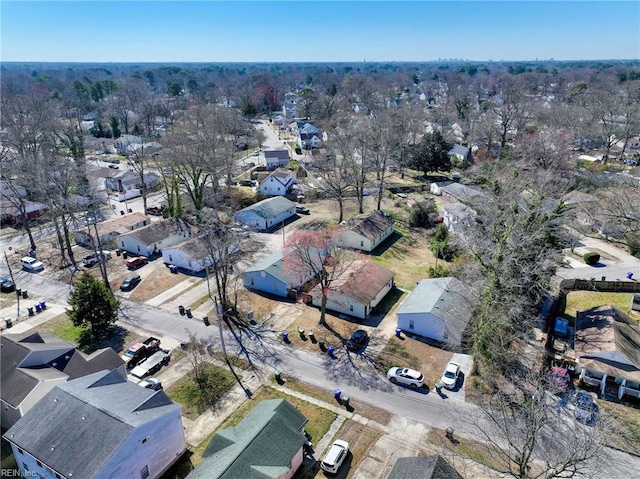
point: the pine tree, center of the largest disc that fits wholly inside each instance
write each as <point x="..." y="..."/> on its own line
<point x="93" y="305"/>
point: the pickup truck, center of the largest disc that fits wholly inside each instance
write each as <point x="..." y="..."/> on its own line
<point x="140" y="351"/>
<point x="94" y="258"/>
<point x="152" y="364"/>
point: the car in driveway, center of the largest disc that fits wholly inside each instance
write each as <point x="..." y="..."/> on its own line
<point x="335" y="456"/>
<point x="357" y="340"/>
<point x="94" y="258"/>
<point x="137" y="262"/>
<point x="585" y="407"/>
<point x="406" y="376"/>
<point x="151" y="383"/>
<point x="559" y="378"/>
<point x="450" y="376"/>
<point x="130" y="282"/>
<point x="6" y="285"/>
<point x="302" y="210"/>
<point x="31" y="264"/>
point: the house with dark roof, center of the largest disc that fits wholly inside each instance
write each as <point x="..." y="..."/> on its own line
<point x="365" y="232"/>
<point x="459" y="192"/>
<point x="110" y="229"/>
<point x="309" y="135"/>
<point x="278" y="183"/>
<point x="438" y="308"/>
<point x="127" y="183"/>
<point x="266" y="213"/>
<point x="607" y="349"/>
<point x="358" y="289"/>
<point x="276" y="159"/>
<point x="460" y="152"/>
<point x="99" y="426"/>
<point x="152" y="239"/>
<point x="34" y="363"/>
<point x="429" y="467"/>
<point x="267" y="444"/>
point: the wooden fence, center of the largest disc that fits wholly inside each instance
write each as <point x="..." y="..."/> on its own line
<point x="600" y="286"/>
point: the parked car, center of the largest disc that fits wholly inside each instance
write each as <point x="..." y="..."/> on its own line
<point x="335" y="456"/>
<point x="357" y="340"/>
<point x="303" y="209"/>
<point x="450" y="376"/>
<point x="151" y="383"/>
<point x="255" y="153"/>
<point x="6" y="285"/>
<point x="94" y="258"/>
<point x="585" y="407"/>
<point x="114" y="167"/>
<point x="559" y="378"/>
<point x="130" y="282"/>
<point x="631" y="162"/>
<point x="137" y="262"/>
<point x="406" y="376"/>
<point x="246" y="183"/>
<point x="31" y="264"/>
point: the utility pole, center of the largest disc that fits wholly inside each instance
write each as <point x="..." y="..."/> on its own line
<point x="14" y="281"/>
<point x="220" y="315"/>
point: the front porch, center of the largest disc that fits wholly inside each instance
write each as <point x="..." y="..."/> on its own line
<point x="610" y="386"/>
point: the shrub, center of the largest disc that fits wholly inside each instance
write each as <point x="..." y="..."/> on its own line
<point x="591" y="258"/>
<point x="422" y="215"/>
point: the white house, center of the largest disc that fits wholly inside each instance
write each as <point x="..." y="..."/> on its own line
<point x="152" y="239"/>
<point x="127" y="183"/>
<point x="267" y="443"/>
<point x="278" y="183"/>
<point x="110" y="229"/>
<point x="309" y="136"/>
<point x="365" y="232"/>
<point x="99" y="426"/>
<point x="276" y="159"/>
<point x="358" y="290"/>
<point x="438" y="309"/>
<point x="266" y="213"/>
<point x="34" y="363"/>
<point x="436" y="187"/>
<point x="458" y="217"/>
<point x="193" y="254"/>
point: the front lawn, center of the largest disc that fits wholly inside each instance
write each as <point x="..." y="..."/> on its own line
<point x="585" y="300"/>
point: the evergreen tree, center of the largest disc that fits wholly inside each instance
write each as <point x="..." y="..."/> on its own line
<point x="431" y="154"/>
<point x="93" y="305"/>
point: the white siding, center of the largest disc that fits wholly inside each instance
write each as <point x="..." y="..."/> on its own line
<point x="429" y="326"/>
<point x="351" y="239"/>
<point x="341" y="303"/>
<point x="180" y="258"/>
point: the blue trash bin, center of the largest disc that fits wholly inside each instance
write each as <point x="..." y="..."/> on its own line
<point x="336" y="394"/>
<point x="285" y="337"/>
<point x="330" y="350"/>
<point x="38" y="308"/>
<point x="43" y="305"/>
<point x="629" y="275"/>
<point x="398" y="332"/>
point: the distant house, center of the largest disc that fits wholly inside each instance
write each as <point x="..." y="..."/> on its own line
<point x="365" y="232"/>
<point x="110" y="229"/>
<point x="276" y="159"/>
<point x="309" y="135"/>
<point x="124" y="142"/>
<point x="266" y="213"/>
<point x="278" y="183"/>
<point x="459" y="192"/>
<point x="438" y="309"/>
<point x="127" y="183"/>
<point x="192" y="254"/>
<point x="436" y="187"/>
<point x="149" y="240"/>
<point x="584" y="208"/>
<point x="358" y="290"/>
<point x="607" y="348"/>
<point x="290" y="109"/>
<point x="12" y="211"/>
<point x="269" y="276"/>
<point x="33" y="363"/>
<point x="429" y="467"/>
<point x="460" y="152"/>
<point x="458" y="217"/>
<point x="267" y="444"/>
<point x="99" y="426"/>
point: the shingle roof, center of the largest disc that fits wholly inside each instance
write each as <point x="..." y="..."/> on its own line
<point x="259" y="447"/>
<point x="119" y="225"/>
<point x="79" y="425"/>
<point x="272" y="264"/>
<point x="463" y="192"/>
<point x="430" y="467"/>
<point x="370" y="225"/>
<point x="158" y="231"/>
<point x="458" y="149"/>
<point x="270" y="207"/>
<point x="443" y="297"/>
<point x="277" y="154"/>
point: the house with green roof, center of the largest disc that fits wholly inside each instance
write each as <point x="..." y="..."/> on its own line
<point x="438" y="309"/>
<point x="267" y="444"/>
<point x="266" y="213"/>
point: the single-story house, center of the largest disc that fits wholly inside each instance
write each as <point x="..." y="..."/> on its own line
<point x="276" y="159"/>
<point x="278" y="183"/>
<point x="270" y="275"/>
<point x="268" y="443"/>
<point x="123" y="143"/>
<point x="33" y="363"/>
<point x="151" y="239"/>
<point x="266" y="213"/>
<point x="426" y="467"/>
<point x="11" y="210"/>
<point x="462" y="153"/>
<point x="193" y="254"/>
<point x="127" y="183"/>
<point x="459" y="192"/>
<point x="607" y="348"/>
<point x="365" y="232"/>
<point x="97" y="426"/>
<point x="457" y="217"/>
<point x="108" y="230"/>
<point x="358" y="290"/>
<point x="9" y="189"/>
<point x="438" y="308"/>
<point x="436" y="187"/>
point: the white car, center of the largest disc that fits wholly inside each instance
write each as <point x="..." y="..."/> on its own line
<point x="151" y="383"/>
<point x="31" y="264"/>
<point x="335" y="456"/>
<point x="450" y="375"/>
<point x="406" y="376"/>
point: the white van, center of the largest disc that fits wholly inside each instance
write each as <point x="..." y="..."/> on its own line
<point x="335" y="456"/>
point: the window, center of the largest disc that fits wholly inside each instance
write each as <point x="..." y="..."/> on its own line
<point x="58" y="476"/>
<point x="361" y="244"/>
<point x="275" y="287"/>
<point x="411" y="324"/>
<point x="170" y="258"/>
<point x="24" y="466"/>
<point x="138" y="249"/>
<point x="351" y="307"/>
<point x="20" y="451"/>
<point x="252" y="282"/>
<point x="145" y="439"/>
<point x="144" y="472"/>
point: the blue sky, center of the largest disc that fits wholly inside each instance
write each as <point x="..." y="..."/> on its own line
<point x="308" y="31"/>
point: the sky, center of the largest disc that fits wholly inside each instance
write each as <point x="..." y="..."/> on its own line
<point x="317" y="31"/>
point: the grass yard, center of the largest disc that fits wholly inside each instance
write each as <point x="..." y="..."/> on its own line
<point x="626" y="419"/>
<point x="585" y="300"/>
<point x="464" y="447"/>
<point x="320" y="419"/>
<point x="160" y="281"/>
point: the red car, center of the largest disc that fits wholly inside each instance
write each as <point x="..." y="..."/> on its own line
<point x="136" y="262"/>
<point x="559" y="378"/>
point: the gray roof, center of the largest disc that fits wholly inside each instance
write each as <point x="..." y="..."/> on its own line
<point x="442" y="297"/>
<point x="277" y="154"/>
<point x="259" y="447"/>
<point x="61" y="430"/>
<point x="158" y="231"/>
<point x="430" y="467"/>
<point x="370" y="225"/>
<point x="272" y="265"/>
<point x="462" y="192"/>
<point x="270" y="207"/>
<point x="458" y="149"/>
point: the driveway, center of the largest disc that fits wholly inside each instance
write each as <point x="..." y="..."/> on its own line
<point x="614" y="263"/>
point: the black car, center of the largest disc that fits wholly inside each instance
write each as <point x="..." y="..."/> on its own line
<point x="357" y="340"/>
<point x="6" y="285"/>
<point x="303" y="210"/>
<point x="129" y="283"/>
